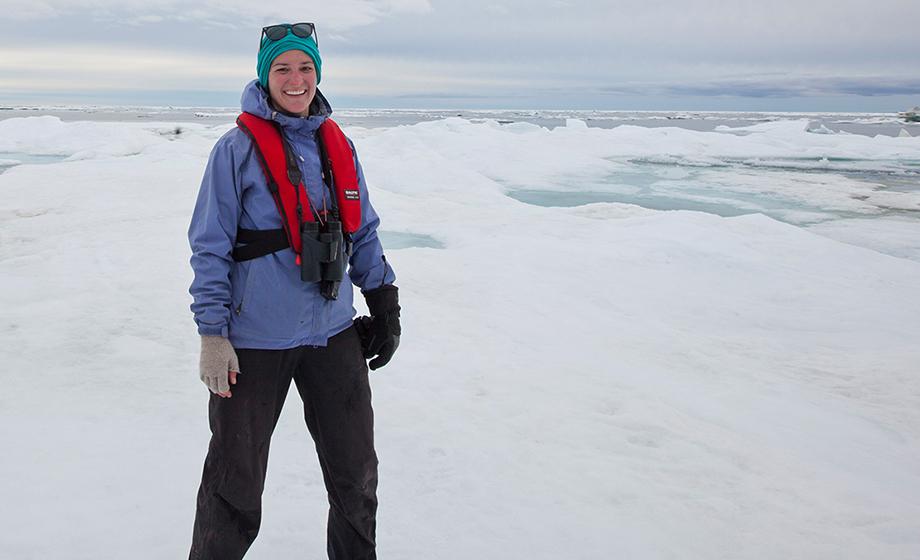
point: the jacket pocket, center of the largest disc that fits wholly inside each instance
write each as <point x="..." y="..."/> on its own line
<point x="271" y="301"/>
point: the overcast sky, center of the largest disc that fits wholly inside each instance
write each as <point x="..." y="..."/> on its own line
<point x="842" y="55"/>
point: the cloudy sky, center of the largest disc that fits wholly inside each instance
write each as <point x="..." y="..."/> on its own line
<point x="821" y="55"/>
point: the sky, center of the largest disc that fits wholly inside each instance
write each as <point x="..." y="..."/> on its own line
<point x="733" y="55"/>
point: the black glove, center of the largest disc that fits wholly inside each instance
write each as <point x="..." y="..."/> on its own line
<point x="380" y="332"/>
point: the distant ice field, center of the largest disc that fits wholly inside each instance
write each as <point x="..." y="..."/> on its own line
<point x="803" y="169"/>
<point x="869" y="124"/>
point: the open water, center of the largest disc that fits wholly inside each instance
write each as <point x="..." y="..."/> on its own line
<point x="869" y="124"/>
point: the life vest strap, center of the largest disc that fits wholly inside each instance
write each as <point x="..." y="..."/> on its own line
<point x="255" y="243"/>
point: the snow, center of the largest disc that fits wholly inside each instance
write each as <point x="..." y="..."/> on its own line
<point x="593" y="381"/>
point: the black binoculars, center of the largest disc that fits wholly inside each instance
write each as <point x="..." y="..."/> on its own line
<point x="322" y="257"/>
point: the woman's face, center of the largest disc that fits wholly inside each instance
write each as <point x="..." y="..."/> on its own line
<point x="292" y="82"/>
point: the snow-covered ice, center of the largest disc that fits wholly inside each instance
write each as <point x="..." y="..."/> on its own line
<point x="575" y="381"/>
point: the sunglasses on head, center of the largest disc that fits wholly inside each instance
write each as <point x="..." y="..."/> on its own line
<point x="278" y="32"/>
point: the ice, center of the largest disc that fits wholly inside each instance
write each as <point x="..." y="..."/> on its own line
<point x="567" y="198"/>
<point x="406" y="240"/>
<point x="895" y="235"/>
<point x="821" y="129"/>
<point x="592" y="381"/>
<point x="11" y="159"/>
<point x="777" y="168"/>
<point x="576" y="124"/>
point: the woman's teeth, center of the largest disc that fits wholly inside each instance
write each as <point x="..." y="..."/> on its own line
<point x="296" y="92"/>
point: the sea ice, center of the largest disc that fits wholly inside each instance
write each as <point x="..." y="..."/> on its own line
<point x="576" y="382"/>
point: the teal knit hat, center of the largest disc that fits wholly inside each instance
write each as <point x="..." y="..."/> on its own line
<point x="271" y="49"/>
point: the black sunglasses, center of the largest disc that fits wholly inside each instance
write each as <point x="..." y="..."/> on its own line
<point x="278" y="32"/>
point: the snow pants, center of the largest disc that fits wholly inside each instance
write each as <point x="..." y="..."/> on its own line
<point x="336" y="395"/>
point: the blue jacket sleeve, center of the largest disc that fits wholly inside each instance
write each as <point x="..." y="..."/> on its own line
<point x="211" y="235"/>
<point x="369" y="267"/>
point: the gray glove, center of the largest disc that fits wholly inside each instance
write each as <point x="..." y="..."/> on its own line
<point x="217" y="359"/>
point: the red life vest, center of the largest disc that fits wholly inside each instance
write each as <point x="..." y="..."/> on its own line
<point x="282" y="174"/>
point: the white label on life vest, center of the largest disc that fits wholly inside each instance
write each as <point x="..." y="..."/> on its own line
<point x="351" y="194"/>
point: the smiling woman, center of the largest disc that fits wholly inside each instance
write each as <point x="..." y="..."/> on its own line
<point x="292" y="82"/>
<point x="272" y="231"/>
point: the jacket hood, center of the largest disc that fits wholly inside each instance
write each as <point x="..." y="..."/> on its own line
<point x="255" y="100"/>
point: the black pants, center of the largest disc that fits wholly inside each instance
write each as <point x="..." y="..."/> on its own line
<point x="333" y="385"/>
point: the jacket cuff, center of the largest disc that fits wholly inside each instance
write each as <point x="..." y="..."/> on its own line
<point x="213" y="330"/>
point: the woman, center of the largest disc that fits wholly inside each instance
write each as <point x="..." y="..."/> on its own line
<point x="273" y="227"/>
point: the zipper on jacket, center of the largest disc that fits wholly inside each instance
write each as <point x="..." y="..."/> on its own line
<point x="239" y="307"/>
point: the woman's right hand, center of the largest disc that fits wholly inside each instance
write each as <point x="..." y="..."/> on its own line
<point x="218" y="366"/>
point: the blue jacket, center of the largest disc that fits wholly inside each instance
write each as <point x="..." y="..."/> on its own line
<point x="262" y="303"/>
